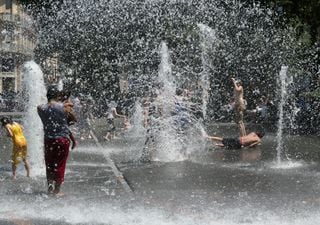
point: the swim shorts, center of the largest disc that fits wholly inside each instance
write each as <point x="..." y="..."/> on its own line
<point x="231" y="143"/>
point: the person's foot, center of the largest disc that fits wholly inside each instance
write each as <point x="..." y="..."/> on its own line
<point x="50" y="189"/>
<point x="60" y="194"/>
<point x="56" y="190"/>
<point x="14" y="177"/>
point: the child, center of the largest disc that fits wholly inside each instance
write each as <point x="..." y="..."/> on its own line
<point x="111" y="115"/>
<point x="19" y="151"/>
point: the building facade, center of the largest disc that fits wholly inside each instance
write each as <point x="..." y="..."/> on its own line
<point x="17" y="42"/>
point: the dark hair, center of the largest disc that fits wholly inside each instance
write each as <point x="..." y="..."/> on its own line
<point x="64" y="95"/>
<point x="260" y="134"/>
<point x="52" y="92"/>
<point x="6" y="120"/>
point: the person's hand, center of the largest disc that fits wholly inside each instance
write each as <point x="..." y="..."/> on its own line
<point x="74" y="144"/>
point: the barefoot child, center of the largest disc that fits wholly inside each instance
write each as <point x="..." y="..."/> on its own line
<point x="19" y="151"/>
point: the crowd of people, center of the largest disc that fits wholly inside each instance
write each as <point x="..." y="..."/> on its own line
<point x="61" y="113"/>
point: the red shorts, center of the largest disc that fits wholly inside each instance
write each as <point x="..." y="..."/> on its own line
<point x="56" y="153"/>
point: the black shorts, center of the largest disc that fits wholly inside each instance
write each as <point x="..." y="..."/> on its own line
<point x="111" y="126"/>
<point x="231" y="143"/>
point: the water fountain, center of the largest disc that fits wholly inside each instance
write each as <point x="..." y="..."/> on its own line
<point x="34" y="84"/>
<point x="175" y="190"/>
<point x="168" y="144"/>
<point x="208" y="41"/>
<point x="283" y="79"/>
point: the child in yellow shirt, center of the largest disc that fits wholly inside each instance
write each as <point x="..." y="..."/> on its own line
<point x="19" y="151"/>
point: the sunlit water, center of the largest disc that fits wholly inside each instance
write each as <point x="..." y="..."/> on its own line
<point x="186" y="193"/>
<point x="171" y="192"/>
<point x="36" y="92"/>
<point x="283" y="79"/>
<point x="208" y="42"/>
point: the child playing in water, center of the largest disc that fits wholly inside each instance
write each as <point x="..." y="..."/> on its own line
<point x="19" y="151"/>
<point x="111" y="115"/>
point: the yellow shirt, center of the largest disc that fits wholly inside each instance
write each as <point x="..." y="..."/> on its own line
<point x="17" y="135"/>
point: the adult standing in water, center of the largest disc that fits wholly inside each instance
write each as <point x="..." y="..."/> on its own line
<point x="239" y="105"/>
<point x="56" y="138"/>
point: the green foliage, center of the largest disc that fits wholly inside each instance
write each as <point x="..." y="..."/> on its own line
<point x="312" y="94"/>
<point x="303" y="15"/>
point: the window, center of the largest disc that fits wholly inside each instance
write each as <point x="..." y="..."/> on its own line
<point x="8" y="4"/>
<point x="7" y="65"/>
<point x="8" y="84"/>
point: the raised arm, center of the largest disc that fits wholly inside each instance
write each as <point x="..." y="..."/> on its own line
<point x="236" y="87"/>
<point x="9" y="132"/>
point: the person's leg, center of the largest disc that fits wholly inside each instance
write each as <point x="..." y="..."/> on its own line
<point x="57" y="189"/>
<point x="107" y="136"/>
<point x="50" y="186"/>
<point x="49" y="157"/>
<point x="62" y="150"/>
<point x="239" y="121"/>
<point x="27" y="166"/>
<point x="113" y="135"/>
<point x="242" y="129"/>
<point x="14" y="169"/>
<point x="217" y="139"/>
<point x="15" y="161"/>
<point x="220" y="145"/>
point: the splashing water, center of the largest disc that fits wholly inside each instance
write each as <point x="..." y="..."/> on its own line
<point x="283" y="97"/>
<point x="168" y="143"/>
<point x="36" y="91"/>
<point x="208" y="38"/>
<point x="137" y="132"/>
<point x="60" y="85"/>
<point x="178" y="131"/>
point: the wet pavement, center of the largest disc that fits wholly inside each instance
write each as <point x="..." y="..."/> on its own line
<point x="215" y="187"/>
